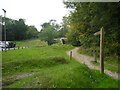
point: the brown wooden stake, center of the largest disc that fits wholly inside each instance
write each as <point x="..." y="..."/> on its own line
<point x="70" y="55"/>
<point x="102" y="50"/>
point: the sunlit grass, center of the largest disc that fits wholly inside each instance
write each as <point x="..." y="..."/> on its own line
<point x="52" y="69"/>
<point x="31" y="43"/>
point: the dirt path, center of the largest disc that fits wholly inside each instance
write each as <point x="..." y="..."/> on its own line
<point x="15" y="78"/>
<point x="87" y="60"/>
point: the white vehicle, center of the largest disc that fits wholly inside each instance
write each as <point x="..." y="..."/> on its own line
<point x="8" y="44"/>
<point x="2" y="44"/>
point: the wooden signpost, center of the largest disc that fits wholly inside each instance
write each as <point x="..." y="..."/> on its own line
<point x="101" y="33"/>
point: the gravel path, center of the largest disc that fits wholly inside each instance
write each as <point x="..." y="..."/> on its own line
<point x="87" y="60"/>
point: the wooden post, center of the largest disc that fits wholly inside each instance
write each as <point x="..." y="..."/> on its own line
<point x="14" y="48"/>
<point x="102" y="50"/>
<point x="70" y="55"/>
<point x="101" y="33"/>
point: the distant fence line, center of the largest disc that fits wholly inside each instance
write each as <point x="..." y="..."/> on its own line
<point x="15" y="48"/>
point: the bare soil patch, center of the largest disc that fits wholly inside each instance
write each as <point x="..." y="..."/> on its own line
<point x="11" y="80"/>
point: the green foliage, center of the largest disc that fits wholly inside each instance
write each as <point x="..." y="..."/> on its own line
<point x="47" y="24"/>
<point x="51" y="30"/>
<point x="15" y="30"/>
<point x="72" y="38"/>
<point x="61" y="33"/>
<point x="18" y="30"/>
<point x="48" y="35"/>
<point x="32" y="32"/>
<point x="64" y="28"/>
<point x="87" y="18"/>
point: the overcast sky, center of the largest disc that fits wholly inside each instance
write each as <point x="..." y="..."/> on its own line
<point x="35" y="12"/>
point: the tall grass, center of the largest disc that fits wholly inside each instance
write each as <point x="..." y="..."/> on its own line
<point x="72" y="75"/>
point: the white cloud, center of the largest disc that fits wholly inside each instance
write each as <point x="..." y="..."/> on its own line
<point x="35" y="12"/>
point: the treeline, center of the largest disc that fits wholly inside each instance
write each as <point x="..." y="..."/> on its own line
<point x="51" y="30"/>
<point x="87" y="18"/>
<point x="18" y="30"/>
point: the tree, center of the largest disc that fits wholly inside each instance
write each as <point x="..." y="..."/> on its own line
<point x="32" y="32"/>
<point x="49" y="31"/>
<point x="47" y="24"/>
<point x="18" y="30"/>
<point x="72" y="38"/>
<point x="48" y="35"/>
<point x="88" y="18"/>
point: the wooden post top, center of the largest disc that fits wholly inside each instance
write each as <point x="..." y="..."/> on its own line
<point x="99" y="32"/>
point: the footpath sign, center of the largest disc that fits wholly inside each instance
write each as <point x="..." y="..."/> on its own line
<point x="101" y="33"/>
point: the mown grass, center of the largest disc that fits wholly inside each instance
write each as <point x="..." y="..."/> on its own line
<point x="52" y="69"/>
<point x="111" y="62"/>
<point x="23" y="59"/>
<point x="31" y="43"/>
